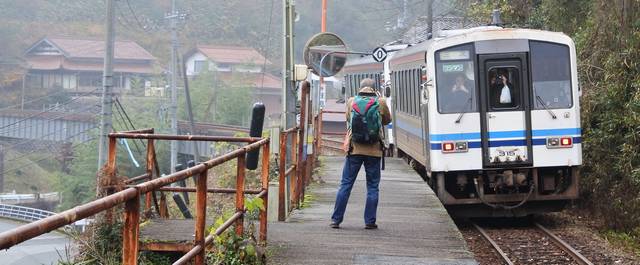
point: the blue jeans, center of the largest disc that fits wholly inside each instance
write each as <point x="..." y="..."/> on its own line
<point x="352" y="165"/>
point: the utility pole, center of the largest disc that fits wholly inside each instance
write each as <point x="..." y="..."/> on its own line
<point x="173" y="109"/>
<point x="321" y="93"/>
<point x="289" y="93"/>
<point x="107" y="84"/>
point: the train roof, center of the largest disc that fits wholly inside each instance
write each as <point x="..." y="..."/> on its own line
<point x="447" y="38"/>
<point x="356" y="64"/>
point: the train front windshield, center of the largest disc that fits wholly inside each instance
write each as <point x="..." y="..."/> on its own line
<point x="456" y="80"/>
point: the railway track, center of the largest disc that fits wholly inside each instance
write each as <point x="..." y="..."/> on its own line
<point x="530" y="245"/>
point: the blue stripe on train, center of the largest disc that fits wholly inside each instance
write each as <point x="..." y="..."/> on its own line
<point x="521" y="142"/>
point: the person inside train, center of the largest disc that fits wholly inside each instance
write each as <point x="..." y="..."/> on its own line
<point x="359" y="152"/>
<point x="503" y="94"/>
<point x="460" y="96"/>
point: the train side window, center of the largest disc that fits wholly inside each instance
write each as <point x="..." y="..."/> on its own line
<point x="410" y="92"/>
<point x="417" y="79"/>
<point x="504" y="88"/>
<point x="401" y="89"/>
<point x="551" y="75"/>
<point x="405" y="88"/>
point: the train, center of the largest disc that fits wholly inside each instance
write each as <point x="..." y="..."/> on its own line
<point x="489" y="116"/>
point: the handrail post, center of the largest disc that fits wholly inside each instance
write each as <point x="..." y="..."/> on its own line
<point x="301" y="140"/>
<point x="282" y="156"/>
<point x="130" y="231"/>
<point x="110" y="175"/>
<point x="201" y="211"/>
<point x="149" y="168"/>
<point x="240" y="194"/>
<point x="264" y="176"/>
<point x="294" y="178"/>
<point x="319" y="136"/>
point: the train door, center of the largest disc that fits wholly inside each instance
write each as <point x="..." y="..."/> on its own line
<point x="505" y="111"/>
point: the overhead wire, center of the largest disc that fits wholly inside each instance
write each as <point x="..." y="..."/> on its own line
<point x="33" y="100"/>
<point x="31" y="162"/>
<point x="45" y="111"/>
<point x="135" y="16"/>
<point x="62" y="115"/>
<point x="43" y="137"/>
<point x="268" y="40"/>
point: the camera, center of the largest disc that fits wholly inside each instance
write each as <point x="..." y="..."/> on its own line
<point x="499" y="80"/>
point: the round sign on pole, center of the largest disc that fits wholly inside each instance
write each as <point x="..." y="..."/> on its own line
<point x="379" y="54"/>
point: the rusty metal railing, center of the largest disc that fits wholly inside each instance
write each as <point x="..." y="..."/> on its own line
<point x="131" y="196"/>
<point x="284" y="172"/>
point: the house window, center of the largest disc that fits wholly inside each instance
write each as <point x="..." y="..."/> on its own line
<point x="69" y="81"/>
<point x="199" y="66"/>
<point x="90" y="80"/>
<point x="225" y="67"/>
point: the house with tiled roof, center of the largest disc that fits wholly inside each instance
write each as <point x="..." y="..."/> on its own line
<point x="231" y="63"/>
<point x="76" y="64"/>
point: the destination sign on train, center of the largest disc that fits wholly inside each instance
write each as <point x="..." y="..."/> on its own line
<point x="454" y="55"/>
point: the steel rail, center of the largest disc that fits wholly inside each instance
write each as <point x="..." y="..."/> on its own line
<point x="566" y="247"/>
<point x="493" y="244"/>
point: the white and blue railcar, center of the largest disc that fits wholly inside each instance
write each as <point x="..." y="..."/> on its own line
<point x="488" y="150"/>
<point x="362" y="67"/>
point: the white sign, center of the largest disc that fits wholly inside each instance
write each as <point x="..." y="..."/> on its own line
<point x="379" y="54"/>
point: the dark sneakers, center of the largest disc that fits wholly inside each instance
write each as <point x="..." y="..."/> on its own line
<point x="366" y="226"/>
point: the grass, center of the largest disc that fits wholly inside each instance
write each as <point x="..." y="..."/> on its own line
<point x="629" y="241"/>
<point x="25" y="175"/>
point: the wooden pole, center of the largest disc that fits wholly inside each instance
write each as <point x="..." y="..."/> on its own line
<point x="149" y="168"/>
<point x="130" y="231"/>
<point x="240" y="194"/>
<point x="110" y="176"/>
<point x="201" y="211"/>
<point x="282" y="156"/>
<point x="264" y="177"/>
<point x="294" y="176"/>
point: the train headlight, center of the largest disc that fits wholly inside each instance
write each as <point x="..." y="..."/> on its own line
<point x="455" y="147"/>
<point x="560" y="142"/>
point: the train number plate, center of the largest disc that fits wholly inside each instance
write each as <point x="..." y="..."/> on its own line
<point x="508" y="154"/>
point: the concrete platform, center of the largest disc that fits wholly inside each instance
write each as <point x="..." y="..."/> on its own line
<point x="414" y="227"/>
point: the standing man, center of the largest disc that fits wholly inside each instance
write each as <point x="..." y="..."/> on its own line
<point x="367" y="114"/>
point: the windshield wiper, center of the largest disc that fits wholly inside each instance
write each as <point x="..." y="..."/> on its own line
<point x="463" y="112"/>
<point x="553" y="115"/>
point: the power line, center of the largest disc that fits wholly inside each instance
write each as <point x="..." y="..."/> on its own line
<point x="268" y="40"/>
<point x="135" y="16"/>
<point x="45" y="111"/>
<point x="42" y="138"/>
<point x="23" y="155"/>
<point x="120" y="112"/>
<point x="39" y="160"/>
<point x="62" y="115"/>
<point x="33" y="100"/>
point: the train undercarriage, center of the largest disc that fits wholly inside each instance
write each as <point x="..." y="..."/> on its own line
<point x="503" y="192"/>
